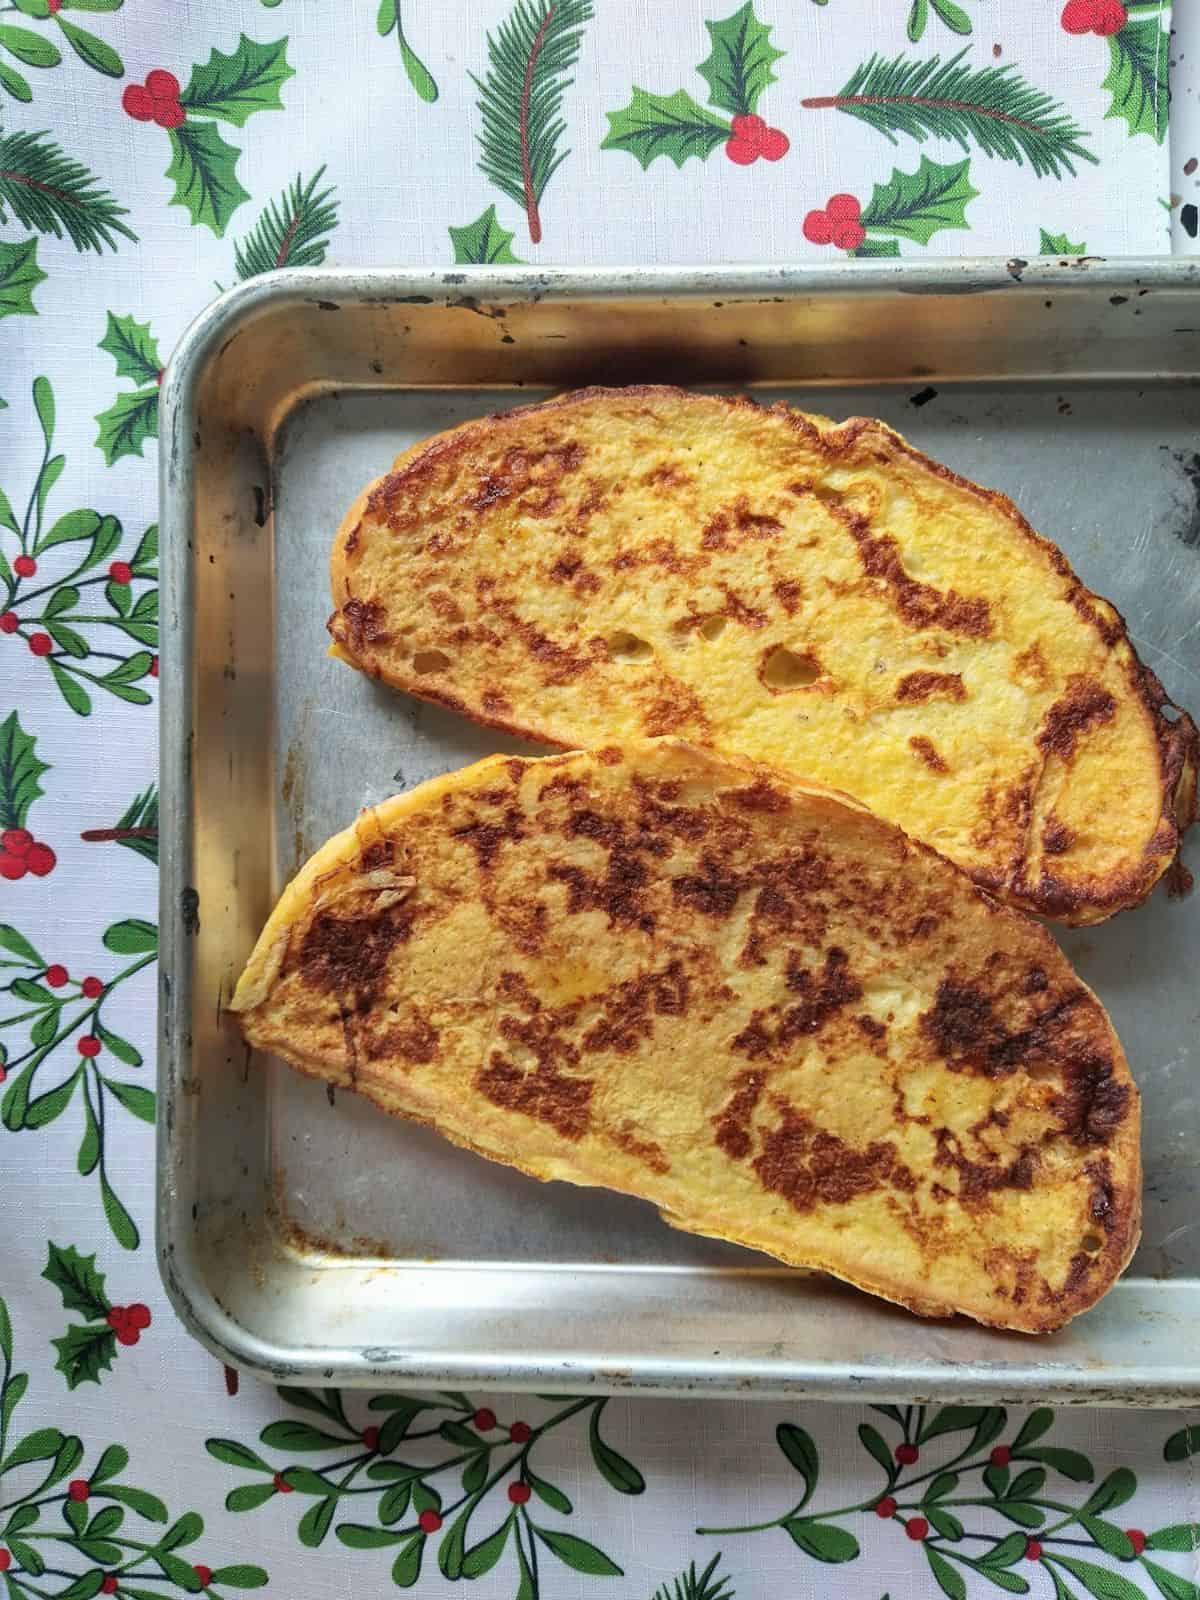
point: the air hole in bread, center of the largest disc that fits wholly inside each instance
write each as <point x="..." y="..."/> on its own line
<point x="1092" y="1242"/>
<point x="712" y="628"/>
<point x="785" y="669"/>
<point x="624" y="646"/>
<point x="427" y="661"/>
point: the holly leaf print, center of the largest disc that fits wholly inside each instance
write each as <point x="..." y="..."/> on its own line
<point x="77" y="1281"/>
<point x="127" y="424"/>
<point x="1138" y="78"/>
<point x="19" y="276"/>
<point x="738" y="68"/>
<point x="483" y="242"/>
<point x="670" y="125"/>
<point x="919" y="204"/>
<point x="20" y="770"/>
<point x="1057" y="244"/>
<point x="233" y="87"/>
<point x="133" y="348"/>
<point x="203" y="171"/>
<point x="84" y="1352"/>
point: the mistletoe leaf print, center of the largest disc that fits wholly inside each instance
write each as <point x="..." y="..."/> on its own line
<point x="738" y="68"/>
<point x="68" y="1031"/>
<point x="466" y="1445"/>
<point x="20" y="770"/>
<point x="19" y="276"/>
<point x="36" y="50"/>
<point x="1057" y="244"/>
<point x="293" y="231"/>
<point x="69" y="618"/>
<point x="136" y="828"/>
<point x="80" y="1537"/>
<point x="1138" y="80"/>
<point x="946" y="11"/>
<point x="417" y="73"/>
<point x="50" y="192"/>
<point x="133" y="416"/>
<point x="670" y="125"/>
<point x="958" y="1503"/>
<point x="992" y="107"/>
<point x="520" y="99"/>
<point x="230" y="88"/>
<point x="483" y="242"/>
<point x="88" y="1349"/>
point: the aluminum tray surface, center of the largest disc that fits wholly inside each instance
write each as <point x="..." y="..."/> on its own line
<point x="305" y="1236"/>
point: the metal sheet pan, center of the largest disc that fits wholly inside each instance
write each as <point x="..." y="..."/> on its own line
<point x="310" y="1241"/>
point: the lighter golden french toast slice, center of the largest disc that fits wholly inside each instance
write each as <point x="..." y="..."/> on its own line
<point x="627" y="562"/>
<point x="745" y="999"/>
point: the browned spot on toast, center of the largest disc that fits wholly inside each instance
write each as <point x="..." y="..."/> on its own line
<point x="732" y="1123"/>
<point x="1093" y="1103"/>
<point x="920" y="604"/>
<point x="1086" y="705"/>
<point x="1057" y="838"/>
<point x="979" y="1179"/>
<point x="712" y="892"/>
<point x="544" y="1094"/>
<point x="630" y="1009"/>
<point x="627" y="1138"/>
<point x="917" y="686"/>
<point x="810" y="1166"/>
<point x="359" y="623"/>
<point x="928" y="753"/>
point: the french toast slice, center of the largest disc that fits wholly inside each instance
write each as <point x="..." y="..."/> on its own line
<point x="745" y="999"/>
<point x="619" y="563"/>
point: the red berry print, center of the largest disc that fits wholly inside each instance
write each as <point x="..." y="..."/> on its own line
<point x="115" y="1316"/>
<point x="1137" y="1539"/>
<point x="41" y="644"/>
<point x="16" y="840"/>
<point x="120" y="572"/>
<point x="1104" y="17"/>
<point x="774" y="145"/>
<point x="842" y="208"/>
<point x="109" y="1586"/>
<point x="916" y="1528"/>
<point x="5" y="1560"/>
<point x="9" y="622"/>
<point x="41" y="860"/>
<point x="92" y="987"/>
<point x="56" y="976"/>
<point x="750" y="128"/>
<point x="154" y="666"/>
<point x="519" y="1432"/>
<point x="818" y="229"/>
<point x="137" y="102"/>
<point x="518" y="1493"/>
<point x="281" y="1484"/>
<point x="162" y="85"/>
<point x="848" y="235"/>
<point x="88" y="1045"/>
<point x="1000" y="1456"/>
<point x="429" y="1522"/>
<point x="139" y="1315"/>
<point x="24" y="566"/>
<point x="1033" y="1550"/>
<point x="204" y="1574"/>
<point x="484" y="1419"/>
<point x="3" y="1072"/>
<point x="370" y="1438"/>
<point x="78" y="1490"/>
<point x="907" y="1454"/>
<point x="741" y="152"/>
<point x="169" y="113"/>
<point x="12" y="867"/>
<point x="54" y="7"/>
<point x="885" y="1508"/>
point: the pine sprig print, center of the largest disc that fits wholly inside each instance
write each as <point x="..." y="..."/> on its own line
<point x="69" y="1531"/>
<point x="460" y="1465"/>
<point x="691" y="1585"/>
<point x="991" y="107"/>
<point x="136" y="828"/>
<point x="52" y="1024"/>
<point x="50" y="192"/>
<point x="986" y="1511"/>
<point x="520" y="99"/>
<point x="293" y="230"/>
